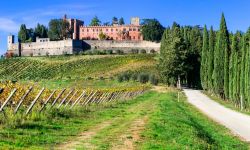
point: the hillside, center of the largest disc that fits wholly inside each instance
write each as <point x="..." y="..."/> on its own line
<point x="72" y="67"/>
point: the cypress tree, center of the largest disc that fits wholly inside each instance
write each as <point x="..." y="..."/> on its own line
<point x="211" y="59"/>
<point x="220" y="64"/>
<point x="231" y="67"/>
<point x="204" y="59"/>
<point x="242" y="68"/>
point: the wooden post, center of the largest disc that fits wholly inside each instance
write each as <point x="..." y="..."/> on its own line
<point x="8" y="99"/>
<point x="34" y="102"/>
<point x="90" y="99"/>
<point x="46" y="102"/>
<point x="77" y="99"/>
<point x="22" y="99"/>
<point x="86" y="99"/>
<point x="63" y="100"/>
<point x="71" y="98"/>
<point x="84" y="93"/>
<point x="60" y="94"/>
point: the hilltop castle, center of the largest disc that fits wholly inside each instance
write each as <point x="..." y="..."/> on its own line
<point x="122" y="37"/>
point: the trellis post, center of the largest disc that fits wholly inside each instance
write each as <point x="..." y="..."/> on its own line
<point x="34" y="101"/>
<point x="22" y="99"/>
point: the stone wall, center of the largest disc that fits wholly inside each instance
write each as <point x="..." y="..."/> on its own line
<point x="121" y="45"/>
<point x="47" y="48"/>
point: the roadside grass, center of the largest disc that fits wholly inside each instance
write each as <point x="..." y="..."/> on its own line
<point x="178" y="125"/>
<point x="227" y="103"/>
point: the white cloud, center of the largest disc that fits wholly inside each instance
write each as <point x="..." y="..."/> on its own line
<point x="8" y="25"/>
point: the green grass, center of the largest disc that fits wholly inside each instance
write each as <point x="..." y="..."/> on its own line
<point x="177" y="125"/>
<point x="71" y="67"/>
<point x="170" y="125"/>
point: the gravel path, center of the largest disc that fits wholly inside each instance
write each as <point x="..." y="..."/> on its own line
<point x="237" y="122"/>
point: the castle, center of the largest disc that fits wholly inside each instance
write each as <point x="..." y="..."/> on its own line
<point x="121" y="37"/>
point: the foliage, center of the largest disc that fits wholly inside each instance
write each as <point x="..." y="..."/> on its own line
<point x="23" y="34"/>
<point x="41" y="31"/>
<point x="121" y="21"/>
<point x="95" y="21"/>
<point x="59" y="29"/>
<point x="114" y="20"/>
<point x="152" y="30"/>
<point x="102" y="36"/>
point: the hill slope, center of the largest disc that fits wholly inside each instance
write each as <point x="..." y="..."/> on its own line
<point x="72" y="67"/>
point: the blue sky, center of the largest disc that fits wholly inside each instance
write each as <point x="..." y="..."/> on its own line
<point x="13" y="13"/>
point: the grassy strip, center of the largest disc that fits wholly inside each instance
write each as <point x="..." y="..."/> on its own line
<point x="227" y="103"/>
<point x="46" y="130"/>
<point x="178" y="125"/>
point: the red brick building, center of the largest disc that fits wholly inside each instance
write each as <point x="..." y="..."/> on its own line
<point x="113" y="32"/>
<point x="75" y="24"/>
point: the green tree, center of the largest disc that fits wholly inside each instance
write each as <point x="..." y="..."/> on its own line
<point x="204" y="59"/>
<point x="114" y="20"/>
<point x="59" y="29"/>
<point x="231" y="67"/>
<point x="121" y="21"/>
<point x="152" y="30"/>
<point x="220" y="63"/>
<point x="41" y="31"/>
<point x="23" y="34"/>
<point x="102" y="36"/>
<point x="95" y="21"/>
<point x="172" y="55"/>
<point x="211" y="59"/>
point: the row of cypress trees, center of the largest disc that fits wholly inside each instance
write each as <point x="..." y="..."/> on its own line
<point x="225" y="64"/>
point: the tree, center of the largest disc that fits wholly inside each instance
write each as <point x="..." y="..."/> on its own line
<point x="221" y="54"/>
<point x="106" y="23"/>
<point x="211" y="59"/>
<point x="152" y="30"/>
<point x="95" y="21"/>
<point x="204" y="59"/>
<point x="23" y="34"/>
<point x="114" y="20"/>
<point x="41" y="31"/>
<point x="121" y="21"/>
<point x="172" y="55"/>
<point x="102" y="36"/>
<point x="59" y="29"/>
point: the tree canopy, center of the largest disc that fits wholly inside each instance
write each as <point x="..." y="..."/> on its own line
<point x="152" y="30"/>
<point x="95" y="21"/>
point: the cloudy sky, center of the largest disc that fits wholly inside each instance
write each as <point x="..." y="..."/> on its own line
<point x="13" y="13"/>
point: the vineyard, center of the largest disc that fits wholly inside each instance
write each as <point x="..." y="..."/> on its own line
<point x="70" y="67"/>
<point x="31" y="97"/>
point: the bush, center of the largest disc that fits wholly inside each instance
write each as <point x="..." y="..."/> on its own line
<point x="134" y="51"/>
<point x="119" y="78"/>
<point x="143" y="51"/>
<point x="152" y="51"/>
<point x="153" y="80"/>
<point x="134" y="77"/>
<point x="109" y="52"/>
<point x="143" y="78"/>
<point x="119" y="52"/>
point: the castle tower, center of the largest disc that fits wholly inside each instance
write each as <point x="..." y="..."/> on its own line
<point x="11" y="40"/>
<point x="135" y="21"/>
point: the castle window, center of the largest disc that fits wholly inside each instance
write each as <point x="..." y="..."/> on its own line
<point x="139" y="30"/>
<point x="87" y="30"/>
<point x="116" y="29"/>
<point x="134" y="29"/>
<point x="111" y="30"/>
<point x="124" y="30"/>
<point x="107" y="30"/>
<point x="130" y="29"/>
<point x="93" y="30"/>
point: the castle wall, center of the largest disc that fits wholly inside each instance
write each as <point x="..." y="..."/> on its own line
<point x="47" y="48"/>
<point x="126" y="46"/>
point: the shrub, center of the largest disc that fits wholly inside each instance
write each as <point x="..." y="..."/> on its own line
<point x="153" y="80"/>
<point x="134" y="51"/>
<point x="152" y="51"/>
<point x="143" y="78"/>
<point x="119" y="78"/>
<point x="101" y="78"/>
<point x="119" y="52"/>
<point x="143" y="51"/>
<point x="134" y="77"/>
<point x="109" y="52"/>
